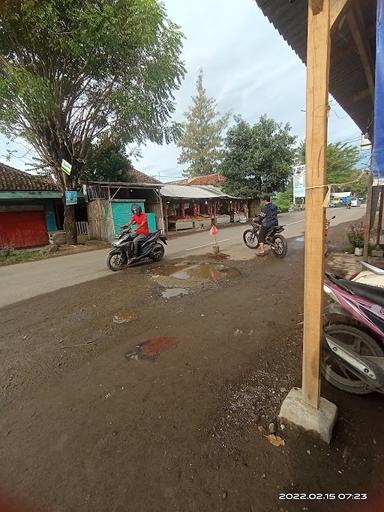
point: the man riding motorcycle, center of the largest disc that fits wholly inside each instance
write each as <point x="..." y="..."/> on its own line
<point x="269" y="215"/>
<point x="140" y="220"/>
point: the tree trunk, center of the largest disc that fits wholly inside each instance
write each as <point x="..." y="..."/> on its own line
<point x="70" y="224"/>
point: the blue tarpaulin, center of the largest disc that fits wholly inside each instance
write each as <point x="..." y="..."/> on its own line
<point x="378" y="149"/>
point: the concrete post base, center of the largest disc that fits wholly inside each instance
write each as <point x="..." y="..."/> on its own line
<point x="294" y="411"/>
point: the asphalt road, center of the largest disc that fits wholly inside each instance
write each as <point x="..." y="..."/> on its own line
<point x="27" y="280"/>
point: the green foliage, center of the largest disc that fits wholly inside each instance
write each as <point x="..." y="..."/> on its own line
<point x="283" y="200"/>
<point x="258" y="158"/>
<point x="74" y="71"/>
<point x="201" y="142"/>
<point x="342" y="160"/>
<point x="356" y="235"/>
<point x="107" y="161"/>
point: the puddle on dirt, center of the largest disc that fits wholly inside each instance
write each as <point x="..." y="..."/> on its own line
<point x="169" y="293"/>
<point x="196" y="272"/>
<point x="152" y="348"/>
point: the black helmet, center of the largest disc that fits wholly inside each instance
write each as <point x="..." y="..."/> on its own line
<point x="136" y="209"/>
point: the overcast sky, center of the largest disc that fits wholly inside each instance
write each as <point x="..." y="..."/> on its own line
<point x="248" y="68"/>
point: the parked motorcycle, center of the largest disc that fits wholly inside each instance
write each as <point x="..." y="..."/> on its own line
<point x="374" y="276"/>
<point x="353" y="346"/>
<point x="122" y="253"/>
<point x="274" y="239"/>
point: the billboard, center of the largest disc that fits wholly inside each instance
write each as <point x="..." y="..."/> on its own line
<point x="299" y="181"/>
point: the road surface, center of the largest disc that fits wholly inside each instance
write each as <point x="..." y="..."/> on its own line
<point x="27" y="280"/>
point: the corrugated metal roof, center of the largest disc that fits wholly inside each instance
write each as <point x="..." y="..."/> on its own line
<point x="191" y="192"/>
<point x="347" y="79"/>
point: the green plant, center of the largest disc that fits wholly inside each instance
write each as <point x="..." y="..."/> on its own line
<point x="356" y="235"/>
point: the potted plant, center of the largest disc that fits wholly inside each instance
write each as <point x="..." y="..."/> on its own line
<point x="356" y="238"/>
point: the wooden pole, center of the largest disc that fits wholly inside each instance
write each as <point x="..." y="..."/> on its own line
<point x="318" y="56"/>
<point x="367" y="234"/>
<point x="380" y="219"/>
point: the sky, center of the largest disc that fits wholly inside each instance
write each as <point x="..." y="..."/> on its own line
<point x="248" y="68"/>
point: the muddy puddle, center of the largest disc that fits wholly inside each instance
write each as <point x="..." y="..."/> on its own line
<point x="177" y="278"/>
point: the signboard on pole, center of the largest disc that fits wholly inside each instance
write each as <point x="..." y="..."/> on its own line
<point x="299" y="181"/>
<point x="71" y="197"/>
<point x="66" y="167"/>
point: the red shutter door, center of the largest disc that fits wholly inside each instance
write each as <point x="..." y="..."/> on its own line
<point x="23" y="229"/>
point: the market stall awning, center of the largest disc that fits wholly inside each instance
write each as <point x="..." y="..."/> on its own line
<point x="188" y="192"/>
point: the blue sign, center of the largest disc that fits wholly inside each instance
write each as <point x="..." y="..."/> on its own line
<point x="71" y="197"/>
<point x="378" y="148"/>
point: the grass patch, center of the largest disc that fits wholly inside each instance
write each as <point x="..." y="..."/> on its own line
<point x="11" y="256"/>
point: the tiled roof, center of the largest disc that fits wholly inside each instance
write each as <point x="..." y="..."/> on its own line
<point x="12" y="180"/>
<point x="210" y="179"/>
<point x="136" y="176"/>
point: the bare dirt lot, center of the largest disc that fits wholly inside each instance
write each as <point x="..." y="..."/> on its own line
<point x="93" y="419"/>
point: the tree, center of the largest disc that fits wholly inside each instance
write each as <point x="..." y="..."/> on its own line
<point x="259" y="158"/>
<point x="342" y="161"/>
<point x="201" y="142"/>
<point x="107" y="161"/>
<point x="73" y="71"/>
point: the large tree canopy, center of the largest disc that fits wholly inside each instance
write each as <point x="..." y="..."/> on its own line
<point x="107" y="161"/>
<point x="258" y="158"/>
<point x="73" y="70"/>
<point x="202" y="141"/>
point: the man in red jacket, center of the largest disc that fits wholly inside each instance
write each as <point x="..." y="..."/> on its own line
<point x="140" y="220"/>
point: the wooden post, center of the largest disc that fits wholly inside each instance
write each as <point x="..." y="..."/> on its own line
<point x="380" y="219"/>
<point x="318" y="56"/>
<point x="367" y="223"/>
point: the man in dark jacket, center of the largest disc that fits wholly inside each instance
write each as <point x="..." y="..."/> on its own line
<point x="269" y="214"/>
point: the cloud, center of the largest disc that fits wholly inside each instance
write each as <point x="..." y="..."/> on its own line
<point x="248" y="68"/>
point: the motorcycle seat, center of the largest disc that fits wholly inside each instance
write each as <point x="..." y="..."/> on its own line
<point x="372" y="293"/>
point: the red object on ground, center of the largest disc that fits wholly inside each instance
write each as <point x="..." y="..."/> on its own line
<point x="214" y="231"/>
<point x="23" y="229"/>
<point x="155" y="346"/>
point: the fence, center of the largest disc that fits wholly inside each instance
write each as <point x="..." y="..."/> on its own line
<point x="82" y="228"/>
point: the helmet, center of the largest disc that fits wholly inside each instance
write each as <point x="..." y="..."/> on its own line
<point x="136" y="209"/>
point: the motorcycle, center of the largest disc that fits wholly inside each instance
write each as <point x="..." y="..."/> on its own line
<point x="371" y="275"/>
<point x="273" y="238"/>
<point x="353" y="344"/>
<point x="122" y="253"/>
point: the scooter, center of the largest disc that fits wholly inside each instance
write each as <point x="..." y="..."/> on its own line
<point x="122" y="253"/>
<point x="353" y="345"/>
<point x="374" y="276"/>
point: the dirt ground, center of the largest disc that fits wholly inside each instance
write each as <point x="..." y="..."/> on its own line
<point x="93" y="419"/>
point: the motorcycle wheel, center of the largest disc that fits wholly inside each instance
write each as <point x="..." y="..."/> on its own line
<point x="353" y="339"/>
<point x="279" y="246"/>
<point x="116" y="261"/>
<point x="250" y="239"/>
<point x="157" y="252"/>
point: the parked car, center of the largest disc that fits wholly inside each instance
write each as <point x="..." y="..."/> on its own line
<point x="355" y="202"/>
